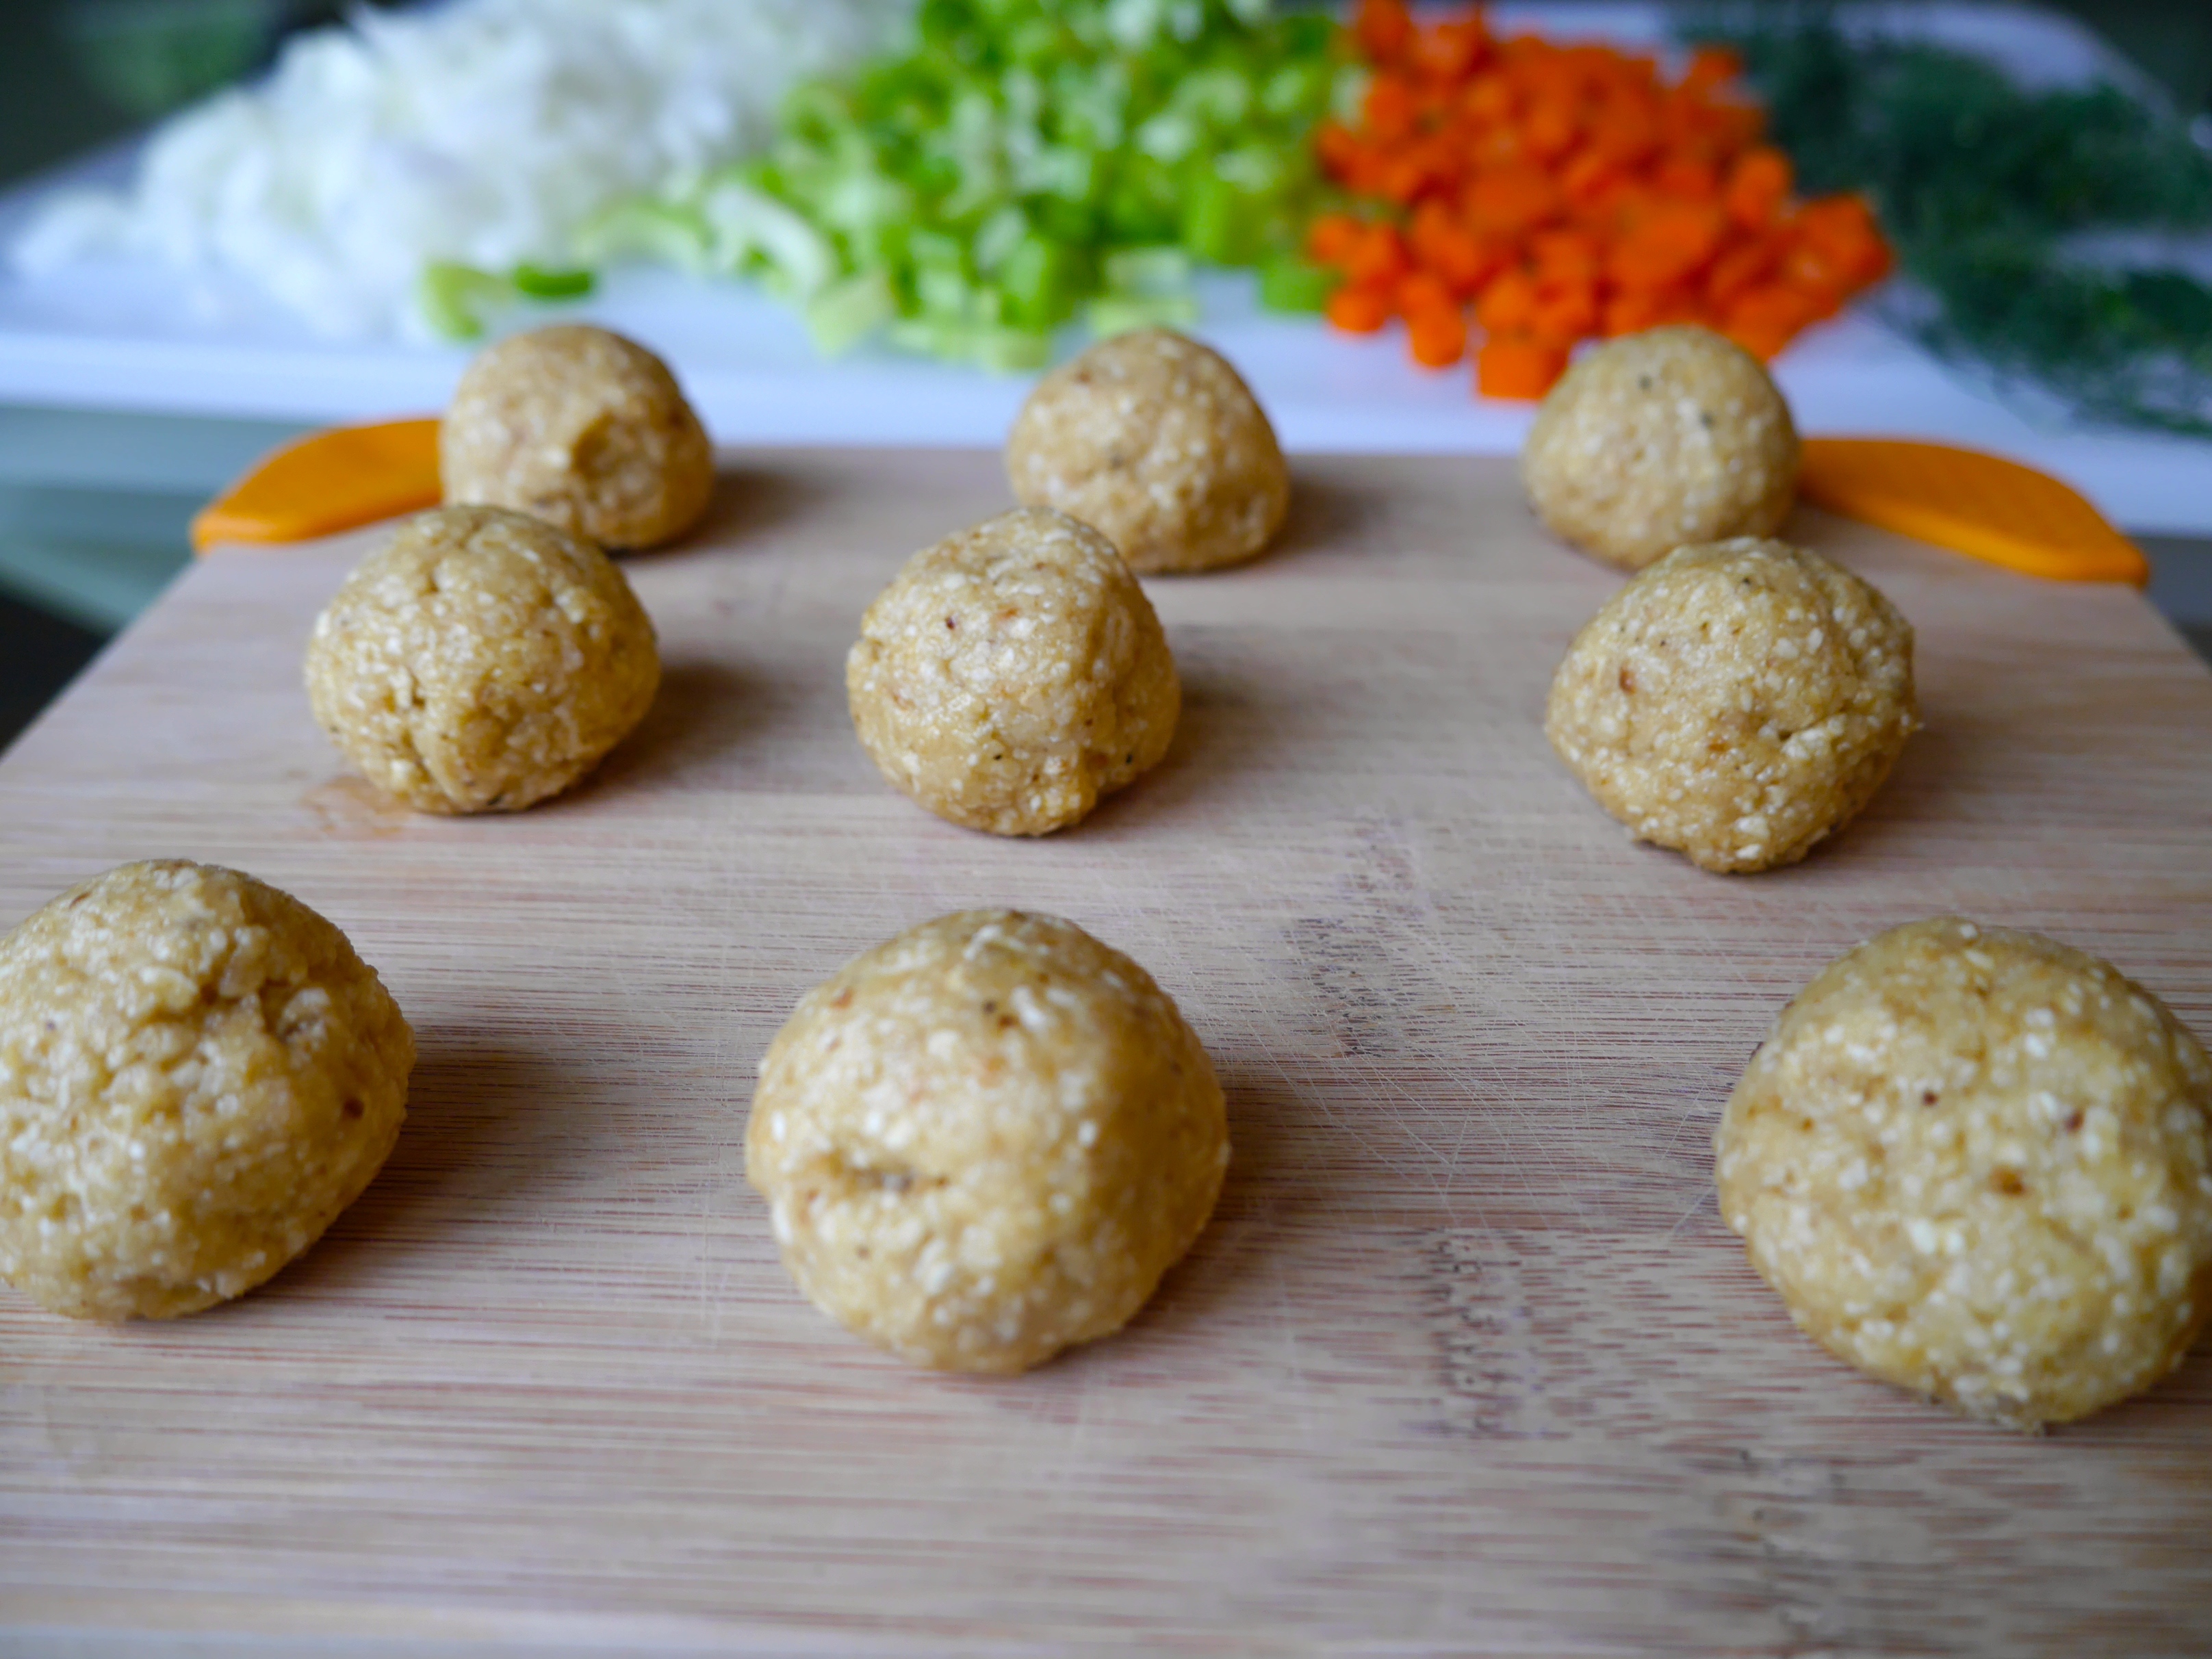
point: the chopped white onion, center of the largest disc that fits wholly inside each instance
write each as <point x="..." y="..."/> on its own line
<point x="481" y="131"/>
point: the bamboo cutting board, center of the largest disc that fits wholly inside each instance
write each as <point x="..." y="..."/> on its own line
<point x="1466" y="1361"/>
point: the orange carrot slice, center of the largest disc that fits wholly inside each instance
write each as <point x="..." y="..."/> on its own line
<point x="327" y="482"/>
<point x="1974" y="503"/>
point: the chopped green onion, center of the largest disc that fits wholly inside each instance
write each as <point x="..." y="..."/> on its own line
<point x="665" y="232"/>
<point x="455" y="297"/>
<point x="1021" y="165"/>
<point x="540" y="283"/>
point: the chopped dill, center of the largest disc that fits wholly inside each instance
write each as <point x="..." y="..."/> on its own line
<point x="1997" y="199"/>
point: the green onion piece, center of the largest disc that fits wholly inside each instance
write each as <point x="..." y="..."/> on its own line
<point x="539" y="284"/>
<point x="745" y="222"/>
<point x="455" y="297"/>
<point x="1014" y="165"/>
<point x="1294" y="284"/>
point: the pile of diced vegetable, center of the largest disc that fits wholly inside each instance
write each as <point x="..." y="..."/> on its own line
<point x="1025" y="165"/>
<point x="1016" y="165"/>
<point x="1556" y="193"/>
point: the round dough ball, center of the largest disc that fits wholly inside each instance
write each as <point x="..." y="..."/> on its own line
<point x="1658" y="439"/>
<point x="1013" y="674"/>
<point x="197" y="1074"/>
<point x="582" y="429"/>
<point x="1978" y="1164"/>
<point x="1156" y="441"/>
<point x="1737" y="702"/>
<point x="481" y="661"/>
<point x="984" y="1140"/>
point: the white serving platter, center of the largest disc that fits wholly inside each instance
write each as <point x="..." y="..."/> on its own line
<point x="128" y="337"/>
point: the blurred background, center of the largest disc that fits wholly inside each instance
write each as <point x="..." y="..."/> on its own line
<point x="84" y="541"/>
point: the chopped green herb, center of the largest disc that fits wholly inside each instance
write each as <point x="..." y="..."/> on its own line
<point x="1995" y="195"/>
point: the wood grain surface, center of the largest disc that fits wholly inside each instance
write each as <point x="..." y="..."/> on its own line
<point x="1465" y="1363"/>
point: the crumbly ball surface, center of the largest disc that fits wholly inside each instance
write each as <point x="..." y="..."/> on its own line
<point x="1013" y="674"/>
<point x="1978" y="1164"/>
<point x="196" y="1075"/>
<point x="1157" y="442"/>
<point x="1737" y="702"/>
<point x="583" y="428"/>
<point x="1660" y="439"/>
<point x="985" y="1140"/>
<point x="481" y="661"/>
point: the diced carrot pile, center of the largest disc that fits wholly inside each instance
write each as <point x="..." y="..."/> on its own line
<point x="1553" y="193"/>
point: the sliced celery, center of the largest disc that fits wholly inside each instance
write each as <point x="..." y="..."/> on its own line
<point x="1020" y="164"/>
<point x="1293" y="283"/>
<point x="1117" y="313"/>
<point x="1147" y="270"/>
<point x="841" y="316"/>
<point x="1012" y="350"/>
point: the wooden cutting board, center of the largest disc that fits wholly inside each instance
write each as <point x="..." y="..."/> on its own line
<point x="1466" y="1361"/>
